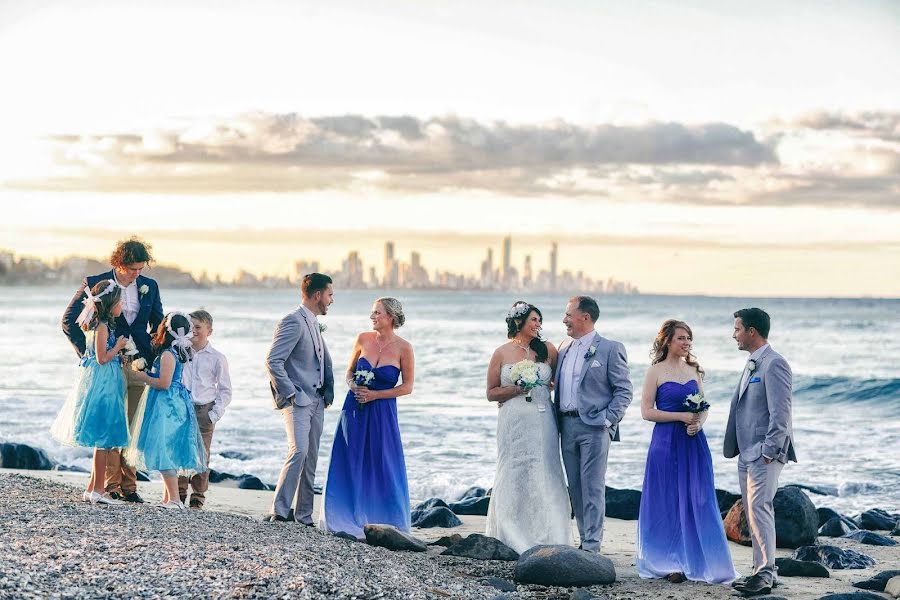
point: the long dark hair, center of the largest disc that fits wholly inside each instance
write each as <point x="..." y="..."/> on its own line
<point x="104" y="305"/>
<point x="162" y="339"/>
<point x="514" y="326"/>
<point x="664" y="338"/>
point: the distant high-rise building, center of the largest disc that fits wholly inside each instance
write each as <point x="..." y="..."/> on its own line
<point x="526" y="275"/>
<point x="554" y="255"/>
<point x="507" y="259"/>
<point x="391" y="269"/>
<point x="487" y="269"/>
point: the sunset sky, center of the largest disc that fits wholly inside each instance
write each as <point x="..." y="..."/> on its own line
<point x="689" y="147"/>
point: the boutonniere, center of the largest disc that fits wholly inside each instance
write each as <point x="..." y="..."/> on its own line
<point x="590" y="353"/>
<point x="144" y="289"/>
<point x="751" y="365"/>
<point x="323" y="327"/>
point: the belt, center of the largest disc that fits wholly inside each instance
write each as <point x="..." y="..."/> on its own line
<point x="568" y="413"/>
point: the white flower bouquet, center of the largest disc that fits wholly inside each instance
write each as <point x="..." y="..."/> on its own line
<point x="525" y="374"/>
<point x="138" y="364"/>
<point x="362" y="378"/>
<point x="130" y="349"/>
<point x="695" y="403"/>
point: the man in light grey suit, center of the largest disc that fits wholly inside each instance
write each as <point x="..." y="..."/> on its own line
<point x="302" y="382"/>
<point x="759" y="433"/>
<point x="593" y="390"/>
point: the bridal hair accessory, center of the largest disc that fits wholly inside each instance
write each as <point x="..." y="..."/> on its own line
<point x="182" y="337"/>
<point x="90" y="302"/>
<point x="518" y="310"/>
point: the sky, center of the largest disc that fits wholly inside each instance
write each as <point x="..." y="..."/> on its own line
<point x="692" y="147"/>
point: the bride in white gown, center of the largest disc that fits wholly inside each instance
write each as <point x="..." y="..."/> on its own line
<point x="529" y="502"/>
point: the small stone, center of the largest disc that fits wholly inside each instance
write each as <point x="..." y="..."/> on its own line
<point x="892" y="588"/>
<point x="437" y="517"/>
<point x="388" y="536"/>
<point x="789" y="567"/>
<point x="834" y="527"/>
<point x="873" y="539"/>
<point x="852" y="596"/>
<point x="877" y="582"/>
<point x="501" y="584"/>
<point x="447" y="540"/>
<point x="472" y="506"/>
<point x="834" y="557"/>
<point x="877" y="519"/>
<point x="623" y="504"/>
<point x="481" y="547"/>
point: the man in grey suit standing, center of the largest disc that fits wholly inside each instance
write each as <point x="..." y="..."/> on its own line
<point x="593" y="390"/>
<point x="759" y="433"/>
<point x="302" y="382"/>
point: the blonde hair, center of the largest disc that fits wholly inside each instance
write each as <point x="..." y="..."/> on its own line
<point x="393" y="307"/>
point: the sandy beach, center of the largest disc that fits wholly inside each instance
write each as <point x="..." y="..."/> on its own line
<point x="54" y="544"/>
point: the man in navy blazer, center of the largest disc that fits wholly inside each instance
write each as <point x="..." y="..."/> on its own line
<point x="142" y="313"/>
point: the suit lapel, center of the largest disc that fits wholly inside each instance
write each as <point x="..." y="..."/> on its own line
<point x="595" y="342"/>
<point x="756" y="370"/>
<point x="312" y="334"/>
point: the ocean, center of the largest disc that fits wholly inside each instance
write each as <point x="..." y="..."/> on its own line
<point x="843" y="353"/>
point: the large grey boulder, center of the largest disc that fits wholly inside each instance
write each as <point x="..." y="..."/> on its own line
<point x="564" y="566"/>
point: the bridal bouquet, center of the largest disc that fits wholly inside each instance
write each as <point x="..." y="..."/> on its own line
<point x="362" y="378"/>
<point x="525" y="375"/>
<point x="130" y="349"/>
<point x="695" y="403"/>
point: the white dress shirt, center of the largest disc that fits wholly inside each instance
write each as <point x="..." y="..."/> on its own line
<point x="745" y="377"/>
<point x="207" y="377"/>
<point x="317" y="342"/>
<point x="131" y="303"/>
<point x="571" y="370"/>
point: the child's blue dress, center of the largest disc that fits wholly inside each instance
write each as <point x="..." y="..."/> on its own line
<point x="94" y="413"/>
<point x="167" y="437"/>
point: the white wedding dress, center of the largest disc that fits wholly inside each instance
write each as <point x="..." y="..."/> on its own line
<point x="529" y="503"/>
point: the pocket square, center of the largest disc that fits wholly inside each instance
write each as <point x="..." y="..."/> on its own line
<point x="596" y="364"/>
<point x="755" y="380"/>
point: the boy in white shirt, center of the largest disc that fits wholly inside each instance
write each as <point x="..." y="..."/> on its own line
<point x="206" y="376"/>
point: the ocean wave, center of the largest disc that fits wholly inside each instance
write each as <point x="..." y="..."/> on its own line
<point x="884" y="393"/>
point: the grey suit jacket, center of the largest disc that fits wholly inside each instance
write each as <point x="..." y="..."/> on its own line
<point x="759" y="422"/>
<point x="604" y="386"/>
<point x="293" y="363"/>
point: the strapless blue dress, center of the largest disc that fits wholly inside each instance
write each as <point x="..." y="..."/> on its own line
<point x="367" y="473"/>
<point x="679" y="527"/>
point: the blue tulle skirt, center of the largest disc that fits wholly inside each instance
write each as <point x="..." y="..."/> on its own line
<point x="167" y="436"/>
<point x="94" y="413"/>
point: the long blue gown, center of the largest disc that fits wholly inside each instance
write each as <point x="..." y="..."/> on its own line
<point x="679" y="526"/>
<point x="367" y="474"/>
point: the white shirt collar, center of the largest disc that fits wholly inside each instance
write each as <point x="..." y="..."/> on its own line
<point x="586" y="338"/>
<point x="759" y="352"/>
<point x="118" y="283"/>
<point x="206" y="348"/>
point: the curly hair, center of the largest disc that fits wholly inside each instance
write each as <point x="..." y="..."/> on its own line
<point x="130" y="251"/>
<point x="661" y="344"/>
<point x="104" y="305"/>
<point x="515" y="324"/>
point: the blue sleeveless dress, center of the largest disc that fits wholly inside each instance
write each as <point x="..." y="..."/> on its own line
<point x="679" y="526"/>
<point x="367" y="473"/>
<point x="167" y="437"/>
<point x="94" y="413"/>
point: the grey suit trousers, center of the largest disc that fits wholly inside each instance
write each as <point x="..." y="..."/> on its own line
<point x="759" y="482"/>
<point x="303" y="425"/>
<point x="585" y="449"/>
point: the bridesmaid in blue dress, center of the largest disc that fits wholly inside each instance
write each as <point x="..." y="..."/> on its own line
<point x="94" y="414"/>
<point x="367" y="473"/>
<point x="167" y="436"/>
<point x="680" y="533"/>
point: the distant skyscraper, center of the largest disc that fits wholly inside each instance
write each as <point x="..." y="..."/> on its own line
<point x="507" y="259"/>
<point x="391" y="270"/>
<point x="554" y="255"/>
<point x="526" y="275"/>
<point x="487" y="269"/>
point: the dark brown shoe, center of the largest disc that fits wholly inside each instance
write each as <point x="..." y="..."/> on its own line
<point x="754" y="586"/>
<point x="196" y="504"/>
<point x="133" y="497"/>
<point x="676" y="578"/>
<point x="115" y="495"/>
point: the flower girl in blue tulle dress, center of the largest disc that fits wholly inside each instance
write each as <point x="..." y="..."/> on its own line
<point x="166" y="436"/>
<point x="94" y="413"/>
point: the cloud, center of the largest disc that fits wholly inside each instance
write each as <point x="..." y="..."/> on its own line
<point x="822" y="158"/>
